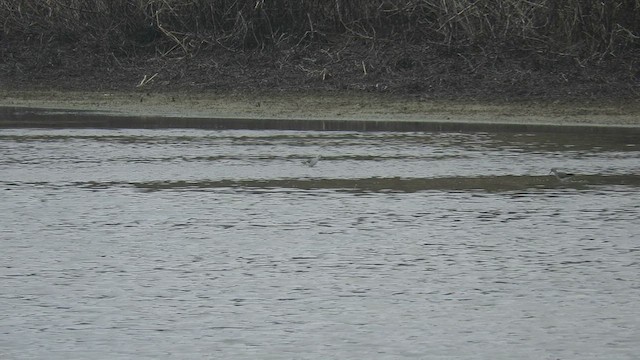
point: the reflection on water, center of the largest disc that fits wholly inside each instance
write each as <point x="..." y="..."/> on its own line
<point x="205" y="244"/>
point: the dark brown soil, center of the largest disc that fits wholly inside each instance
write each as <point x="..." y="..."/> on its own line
<point x="415" y="71"/>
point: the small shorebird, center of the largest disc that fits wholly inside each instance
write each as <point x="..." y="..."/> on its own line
<point x="560" y="175"/>
<point x="312" y="162"/>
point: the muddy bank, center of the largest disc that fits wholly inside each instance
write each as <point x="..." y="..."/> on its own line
<point x="507" y="61"/>
<point x="330" y="109"/>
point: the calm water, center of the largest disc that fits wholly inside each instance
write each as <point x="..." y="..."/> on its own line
<point x="187" y="244"/>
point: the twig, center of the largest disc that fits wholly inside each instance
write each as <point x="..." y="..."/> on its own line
<point x="145" y="81"/>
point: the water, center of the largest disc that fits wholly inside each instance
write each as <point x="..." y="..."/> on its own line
<point x="194" y="244"/>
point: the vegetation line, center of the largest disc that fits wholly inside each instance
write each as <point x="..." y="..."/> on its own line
<point x="324" y="39"/>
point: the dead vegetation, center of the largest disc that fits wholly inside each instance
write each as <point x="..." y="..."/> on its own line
<point x="417" y="45"/>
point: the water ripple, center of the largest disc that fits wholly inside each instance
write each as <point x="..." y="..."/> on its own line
<point x="194" y="244"/>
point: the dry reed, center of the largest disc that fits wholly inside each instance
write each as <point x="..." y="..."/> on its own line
<point x="580" y="29"/>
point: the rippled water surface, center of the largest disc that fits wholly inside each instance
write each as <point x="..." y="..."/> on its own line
<point x="190" y="244"/>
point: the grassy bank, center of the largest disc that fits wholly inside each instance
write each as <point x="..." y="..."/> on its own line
<point x="535" y="47"/>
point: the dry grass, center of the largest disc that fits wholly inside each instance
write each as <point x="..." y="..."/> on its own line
<point x="582" y="29"/>
<point x="451" y="47"/>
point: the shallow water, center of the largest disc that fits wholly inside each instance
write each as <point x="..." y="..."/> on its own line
<point x="190" y="244"/>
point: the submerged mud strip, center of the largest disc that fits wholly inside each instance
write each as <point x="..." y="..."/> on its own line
<point x="363" y="185"/>
<point x="395" y="184"/>
<point x="19" y="117"/>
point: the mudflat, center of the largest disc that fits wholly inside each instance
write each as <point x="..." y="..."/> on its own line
<point x="331" y="105"/>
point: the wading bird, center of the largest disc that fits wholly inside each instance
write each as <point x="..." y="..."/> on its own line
<point x="312" y="162"/>
<point x="562" y="176"/>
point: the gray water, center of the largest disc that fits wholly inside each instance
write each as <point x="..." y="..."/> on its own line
<point x="187" y="244"/>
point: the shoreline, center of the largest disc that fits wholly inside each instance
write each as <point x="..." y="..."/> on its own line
<point x="312" y="110"/>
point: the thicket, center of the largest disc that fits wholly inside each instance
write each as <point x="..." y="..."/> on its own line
<point x="585" y="30"/>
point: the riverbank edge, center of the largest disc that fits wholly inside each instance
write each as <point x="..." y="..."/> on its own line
<point x="312" y="110"/>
